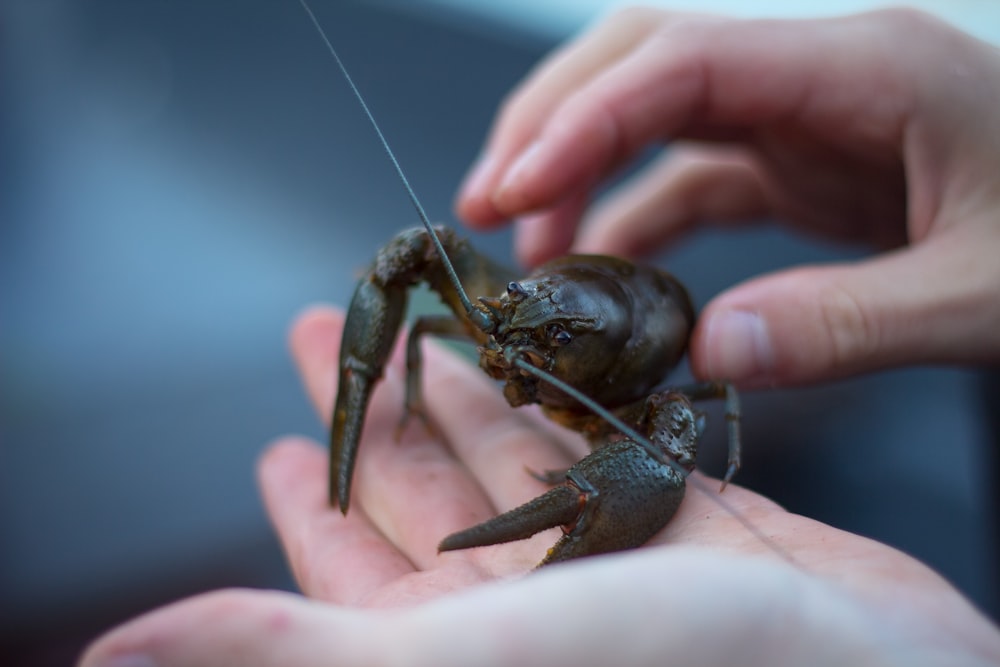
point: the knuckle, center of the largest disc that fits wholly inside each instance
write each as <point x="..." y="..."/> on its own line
<point x="906" y="20"/>
<point x="510" y="107"/>
<point x="686" y="30"/>
<point x="522" y="109"/>
<point x="852" y="332"/>
<point x="631" y="16"/>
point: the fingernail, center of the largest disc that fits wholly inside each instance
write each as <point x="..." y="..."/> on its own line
<point x="739" y="346"/>
<point x="507" y="197"/>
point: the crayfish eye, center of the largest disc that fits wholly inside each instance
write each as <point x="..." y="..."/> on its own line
<point x="515" y="291"/>
<point x="559" y="336"/>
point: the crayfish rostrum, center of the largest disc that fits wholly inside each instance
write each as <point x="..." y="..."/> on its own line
<point x="606" y="327"/>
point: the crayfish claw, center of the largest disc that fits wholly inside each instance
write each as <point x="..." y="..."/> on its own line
<point x="370" y="328"/>
<point x="556" y="507"/>
<point x="616" y="498"/>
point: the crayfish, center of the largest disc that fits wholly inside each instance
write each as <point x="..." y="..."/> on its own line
<point x="588" y="337"/>
<point x="601" y="325"/>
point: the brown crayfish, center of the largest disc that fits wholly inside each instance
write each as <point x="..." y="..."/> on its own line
<point x="588" y="337"/>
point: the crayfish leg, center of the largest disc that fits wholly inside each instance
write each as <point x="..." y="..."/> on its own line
<point x="441" y="326"/>
<point x="714" y="389"/>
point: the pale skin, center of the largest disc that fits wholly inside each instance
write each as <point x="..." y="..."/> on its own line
<point x="706" y="591"/>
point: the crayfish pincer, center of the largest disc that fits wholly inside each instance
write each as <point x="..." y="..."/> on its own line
<point x="588" y="337"/>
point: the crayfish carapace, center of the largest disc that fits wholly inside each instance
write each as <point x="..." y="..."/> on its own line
<point x="588" y="337"/>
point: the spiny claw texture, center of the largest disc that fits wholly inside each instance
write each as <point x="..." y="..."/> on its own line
<point x="616" y="498"/>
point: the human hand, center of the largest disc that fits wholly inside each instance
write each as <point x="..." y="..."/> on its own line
<point x="880" y="128"/>
<point x="706" y="592"/>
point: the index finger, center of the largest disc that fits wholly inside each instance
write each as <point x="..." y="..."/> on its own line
<point x="526" y="107"/>
<point x="695" y="77"/>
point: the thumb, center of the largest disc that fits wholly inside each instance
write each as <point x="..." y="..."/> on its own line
<point x="236" y="627"/>
<point x="935" y="302"/>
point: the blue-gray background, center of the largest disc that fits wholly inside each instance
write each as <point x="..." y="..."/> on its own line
<point x="180" y="178"/>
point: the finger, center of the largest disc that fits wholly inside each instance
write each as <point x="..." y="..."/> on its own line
<point x="294" y="483"/>
<point x="314" y="340"/>
<point x="239" y="628"/>
<point x="497" y="446"/>
<point x="526" y="108"/>
<point x="412" y="490"/>
<point x="709" y="598"/>
<point x="494" y="441"/>
<point x="686" y="186"/>
<point x="694" y="74"/>
<point x="934" y="302"/>
<point x="542" y="236"/>
<point x="758" y="601"/>
<point x="570" y="441"/>
<point x="319" y="542"/>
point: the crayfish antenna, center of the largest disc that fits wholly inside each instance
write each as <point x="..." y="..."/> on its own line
<point x="478" y="316"/>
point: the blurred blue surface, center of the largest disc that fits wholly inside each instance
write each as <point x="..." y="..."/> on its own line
<point x="178" y="180"/>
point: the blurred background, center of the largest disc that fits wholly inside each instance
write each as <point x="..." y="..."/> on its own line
<point x="180" y="178"/>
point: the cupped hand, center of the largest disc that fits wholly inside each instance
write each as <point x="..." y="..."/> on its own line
<point x="706" y="591"/>
<point x="880" y="128"/>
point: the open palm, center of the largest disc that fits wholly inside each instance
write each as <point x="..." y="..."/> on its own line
<point x="412" y="491"/>
<point x="706" y="591"/>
